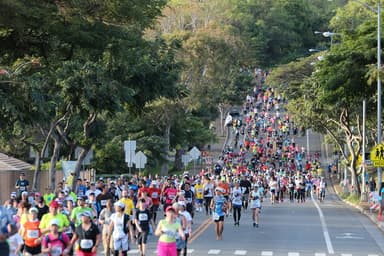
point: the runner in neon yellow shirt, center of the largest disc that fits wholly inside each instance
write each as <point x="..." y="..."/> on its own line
<point x="53" y="214"/>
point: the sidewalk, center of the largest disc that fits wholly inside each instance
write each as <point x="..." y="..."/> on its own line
<point x="363" y="207"/>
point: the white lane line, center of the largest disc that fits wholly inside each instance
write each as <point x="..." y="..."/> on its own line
<point x="345" y="254"/>
<point x="373" y="255"/>
<point x="240" y="252"/>
<point x="324" y="226"/>
<point x="320" y="254"/>
<point x="214" y="251"/>
<point x="133" y="251"/>
<point x="293" y="254"/>
<point x="266" y="253"/>
<point x="190" y="250"/>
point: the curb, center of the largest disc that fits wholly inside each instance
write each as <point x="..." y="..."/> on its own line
<point x="363" y="211"/>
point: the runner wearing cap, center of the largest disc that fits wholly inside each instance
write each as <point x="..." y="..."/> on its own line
<point x="53" y="214"/>
<point x="219" y="207"/>
<point x="105" y="221"/>
<point x="87" y="236"/>
<point x="118" y="230"/>
<point x="77" y="211"/>
<point x="168" y="229"/>
<point x="31" y="233"/>
<point x="55" y="243"/>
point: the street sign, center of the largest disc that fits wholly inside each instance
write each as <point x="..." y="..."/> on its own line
<point x="377" y="155"/>
<point x="194" y="153"/>
<point x="140" y="160"/>
<point x="129" y="145"/>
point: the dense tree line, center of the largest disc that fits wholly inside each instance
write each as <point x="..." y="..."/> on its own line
<point x="92" y="74"/>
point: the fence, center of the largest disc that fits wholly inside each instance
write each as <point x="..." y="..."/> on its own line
<point x="8" y="180"/>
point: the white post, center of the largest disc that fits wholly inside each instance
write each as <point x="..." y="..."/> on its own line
<point x="379" y="171"/>
<point x="363" y="192"/>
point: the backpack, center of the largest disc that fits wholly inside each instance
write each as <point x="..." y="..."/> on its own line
<point x="60" y="238"/>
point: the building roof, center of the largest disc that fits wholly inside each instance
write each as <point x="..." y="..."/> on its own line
<point x="8" y="163"/>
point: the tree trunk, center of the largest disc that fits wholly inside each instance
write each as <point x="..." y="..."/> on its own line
<point x="178" y="161"/>
<point x="36" y="175"/>
<point x="80" y="160"/>
<point x="54" y="158"/>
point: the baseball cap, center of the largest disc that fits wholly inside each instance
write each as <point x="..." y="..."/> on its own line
<point x="119" y="204"/>
<point x="86" y="213"/>
<point x="54" y="222"/>
<point x="54" y="204"/>
<point x="170" y="208"/>
<point x="33" y="209"/>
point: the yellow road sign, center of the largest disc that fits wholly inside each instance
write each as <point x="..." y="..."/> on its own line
<point x="377" y="155"/>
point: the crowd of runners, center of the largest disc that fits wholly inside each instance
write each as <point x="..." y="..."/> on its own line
<point x="262" y="162"/>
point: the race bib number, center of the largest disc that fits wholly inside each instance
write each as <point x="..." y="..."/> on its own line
<point x="33" y="233"/>
<point x="143" y="217"/>
<point x="189" y="200"/>
<point x="86" y="243"/>
<point x="56" y="251"/>
<point x="172" y="197"/>
<point x="155" y="195"/>
<point x="103" y="202"/>
<point x="215" y="216"/>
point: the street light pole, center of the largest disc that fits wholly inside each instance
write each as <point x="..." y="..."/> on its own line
<point x="379" y="171"/>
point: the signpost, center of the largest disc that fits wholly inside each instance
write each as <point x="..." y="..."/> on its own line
<point x="185" y="159"/>
<point x="194" y="154"/>
<point x="129" y="148"/>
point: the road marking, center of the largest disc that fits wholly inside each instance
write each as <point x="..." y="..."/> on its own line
<point x="200" y="229"/>
<point x="266" y="253"/>
<point x="133" y="251"/>
<point x="190" y="250"/>
<point x="343" y="254"/>
<point x="373" y="255"/>
<point x="320" y="254"/>
<point x="324" y="226"/>
<point x="214" y="251"/>
<point x="293" y="254"/>
<point x="240" y="252"/>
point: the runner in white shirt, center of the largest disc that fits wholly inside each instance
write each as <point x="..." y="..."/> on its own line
<point x="255" y="199"/>
<point x="236" y="196"/>
<point x="188" y="227"/>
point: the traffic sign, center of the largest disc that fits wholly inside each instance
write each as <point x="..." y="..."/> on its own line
<point x="194" y="153"/>
<point x="129" y="145"/>
<point x="185" y="159"/>
<point x="140" y="160"/>
<point x="377" y="155"/>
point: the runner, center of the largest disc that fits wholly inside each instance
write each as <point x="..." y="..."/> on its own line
<point x="255" y="205"/>
<point x="105" y="220"/>
<point x="208" y="194"/>
<point x="31" y="234"/>
<point x="219" y="207"/>
<point x="142" y="221"/>
<point x="118" y="230"/>
<point x="87" y="236"/>
<point x="188" y="226"/>
<point x="168" y="229"/>
<point x="55" y="243"/>
<point x="236" y="197"/>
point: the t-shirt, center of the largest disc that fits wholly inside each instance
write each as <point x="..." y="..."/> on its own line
<point x="128" y="202"/>
<point x="199" y="191"/>
<point x="188" y="218"/>
<point x="144" y="217"/>
<point x="32" y="233"/>
<point x="154" y="193"/>
<point x="102" y="200"/>
<point x="41" y="211"/>
<point x="170" y="231"/>
<point x="14" y="242"/>
<point x="22" y="185"/>
<point x="58" y="243"/>
<point x="219" y="202"/>
<point x="87" y="238"/>
<point x="47" y="218"/>
<point x="119" y="228"/>
<point x="75" y="215"/>
<point x="237" y="196"/>
<point x="170" y="194"/>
